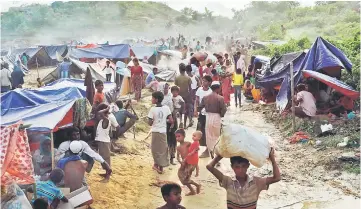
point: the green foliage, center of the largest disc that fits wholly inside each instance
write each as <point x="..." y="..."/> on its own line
<point x="292" y="45"/>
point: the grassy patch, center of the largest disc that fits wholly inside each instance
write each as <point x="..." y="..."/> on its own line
<point x="352" y="168"/>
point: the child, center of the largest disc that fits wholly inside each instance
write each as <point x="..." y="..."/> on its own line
<point x="172" y="196"/>
<point x="237" y="85"/>
<point x="243" y="190"/>
<point x="158" y="116"/>
<point x="215" y="75"/>
<point x="102" y="137"/>
<point x="99" y="95"/>
<point x="40" y="84"/>
<point x="186" y="169"/>
<point x="192" y="157"/>
<point x="108" y="71"/>
<point x="248" y="86"/>
<point x="49" y="190"/>
<point x="178" y="102"/>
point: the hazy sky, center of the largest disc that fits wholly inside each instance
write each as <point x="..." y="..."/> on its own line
<point x="222" y="7"/>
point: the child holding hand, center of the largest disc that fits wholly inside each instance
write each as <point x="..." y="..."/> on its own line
<point x="186" y="169"/>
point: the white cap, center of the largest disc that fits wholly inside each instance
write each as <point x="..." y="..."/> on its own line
<point x="75" y="147"/>
<point x="215" y="83"/>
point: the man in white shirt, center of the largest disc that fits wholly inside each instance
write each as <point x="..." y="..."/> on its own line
<point x="5" y="78"/>
<point x="74" y="135"/>
<point x="201" y="126"/>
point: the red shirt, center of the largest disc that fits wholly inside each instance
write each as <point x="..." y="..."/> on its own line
<point x="215" y="78"/>
<point x="136" y="70"/>
<point x="193" y="159"/>
<point x="98" y="98"/>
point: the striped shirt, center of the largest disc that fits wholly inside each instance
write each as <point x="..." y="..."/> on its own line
<point x="245" y="197"/>
<point x="48" y="190"/>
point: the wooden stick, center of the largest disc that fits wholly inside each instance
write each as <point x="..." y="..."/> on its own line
<point x="37" y="67"/>
<point x="292" y="94"/>
<point x="52" y="150"/>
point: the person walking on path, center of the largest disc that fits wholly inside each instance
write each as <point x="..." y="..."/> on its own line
<point x="201" y="113"/>
<point x="216" y="109"/>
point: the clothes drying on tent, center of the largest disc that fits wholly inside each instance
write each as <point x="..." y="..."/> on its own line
<point x="16" y="161"/>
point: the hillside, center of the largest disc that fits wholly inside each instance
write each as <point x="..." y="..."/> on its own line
<point x="333" y="19"/>
<point x="94" y="21"/>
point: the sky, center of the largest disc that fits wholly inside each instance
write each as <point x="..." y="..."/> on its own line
<point x="223" y="7"/>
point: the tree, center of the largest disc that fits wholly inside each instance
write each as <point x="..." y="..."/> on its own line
<point x="187" y="11"/>
<point x="238" y="15"/>
<point x="196" y="16"/>
<point x="208" y="14"/>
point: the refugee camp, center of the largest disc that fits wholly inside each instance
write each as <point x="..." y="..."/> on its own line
<point x="174" y="105"/>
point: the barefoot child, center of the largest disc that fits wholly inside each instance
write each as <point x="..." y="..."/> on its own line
<point x="186" y="169"/>
<point x="178" y="103"/>
<point x="192" y="157"/>
<point x="172" y="196"/>
<point x="158" y="116"/>
<point x="243" y="190"/>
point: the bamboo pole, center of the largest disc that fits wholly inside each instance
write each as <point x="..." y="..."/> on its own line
<point x="52" y="150"/>
<point x="37" y="67"/>
<point x="292" y="94"/>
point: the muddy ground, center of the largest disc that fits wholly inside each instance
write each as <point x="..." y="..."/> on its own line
<point x="304" y="185"/>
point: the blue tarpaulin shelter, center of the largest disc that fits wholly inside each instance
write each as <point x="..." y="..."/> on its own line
<point x="119" y="51"/>
<point x="143" y="51"/>
<point x="322" y="57"/>
<point x="280" y="69"/>
<point x="42" y="108"/>
<point x="51" y="50"/>
<point x="323" y="54"/>
<point x="78" y="83"/>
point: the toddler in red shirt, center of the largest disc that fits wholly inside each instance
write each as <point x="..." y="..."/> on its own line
<point x="192" y="157"/>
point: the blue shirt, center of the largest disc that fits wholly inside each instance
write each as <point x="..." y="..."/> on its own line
<point x="65" y="66"/>
<point x="48" y="190"/>
<point x="149" y="78"/>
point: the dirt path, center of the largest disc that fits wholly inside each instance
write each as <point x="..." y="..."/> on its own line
<point x="303" y="186"/>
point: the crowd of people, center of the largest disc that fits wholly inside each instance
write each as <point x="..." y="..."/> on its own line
<point x="201" y="92"/>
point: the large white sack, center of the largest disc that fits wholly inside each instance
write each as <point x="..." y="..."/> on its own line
<point x="238" y="140"/>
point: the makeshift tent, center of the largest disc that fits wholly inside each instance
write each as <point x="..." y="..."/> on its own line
<point x="42" y="108"/>
<point x="144" y="51"/>
<point x="52" y="50"/>
<point x="78" y="83"/>
<point x="119" y="51"/>
<point x="279" y="69"/>
<point x="171" y="53"/>
<point x="36" y="56"/>
<point x="11" y="64"/>
<point x="77" y="71"/>
<point x="164" y="74"/>
<point x="333" y="83"/>
<point x="324" y="55"/>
